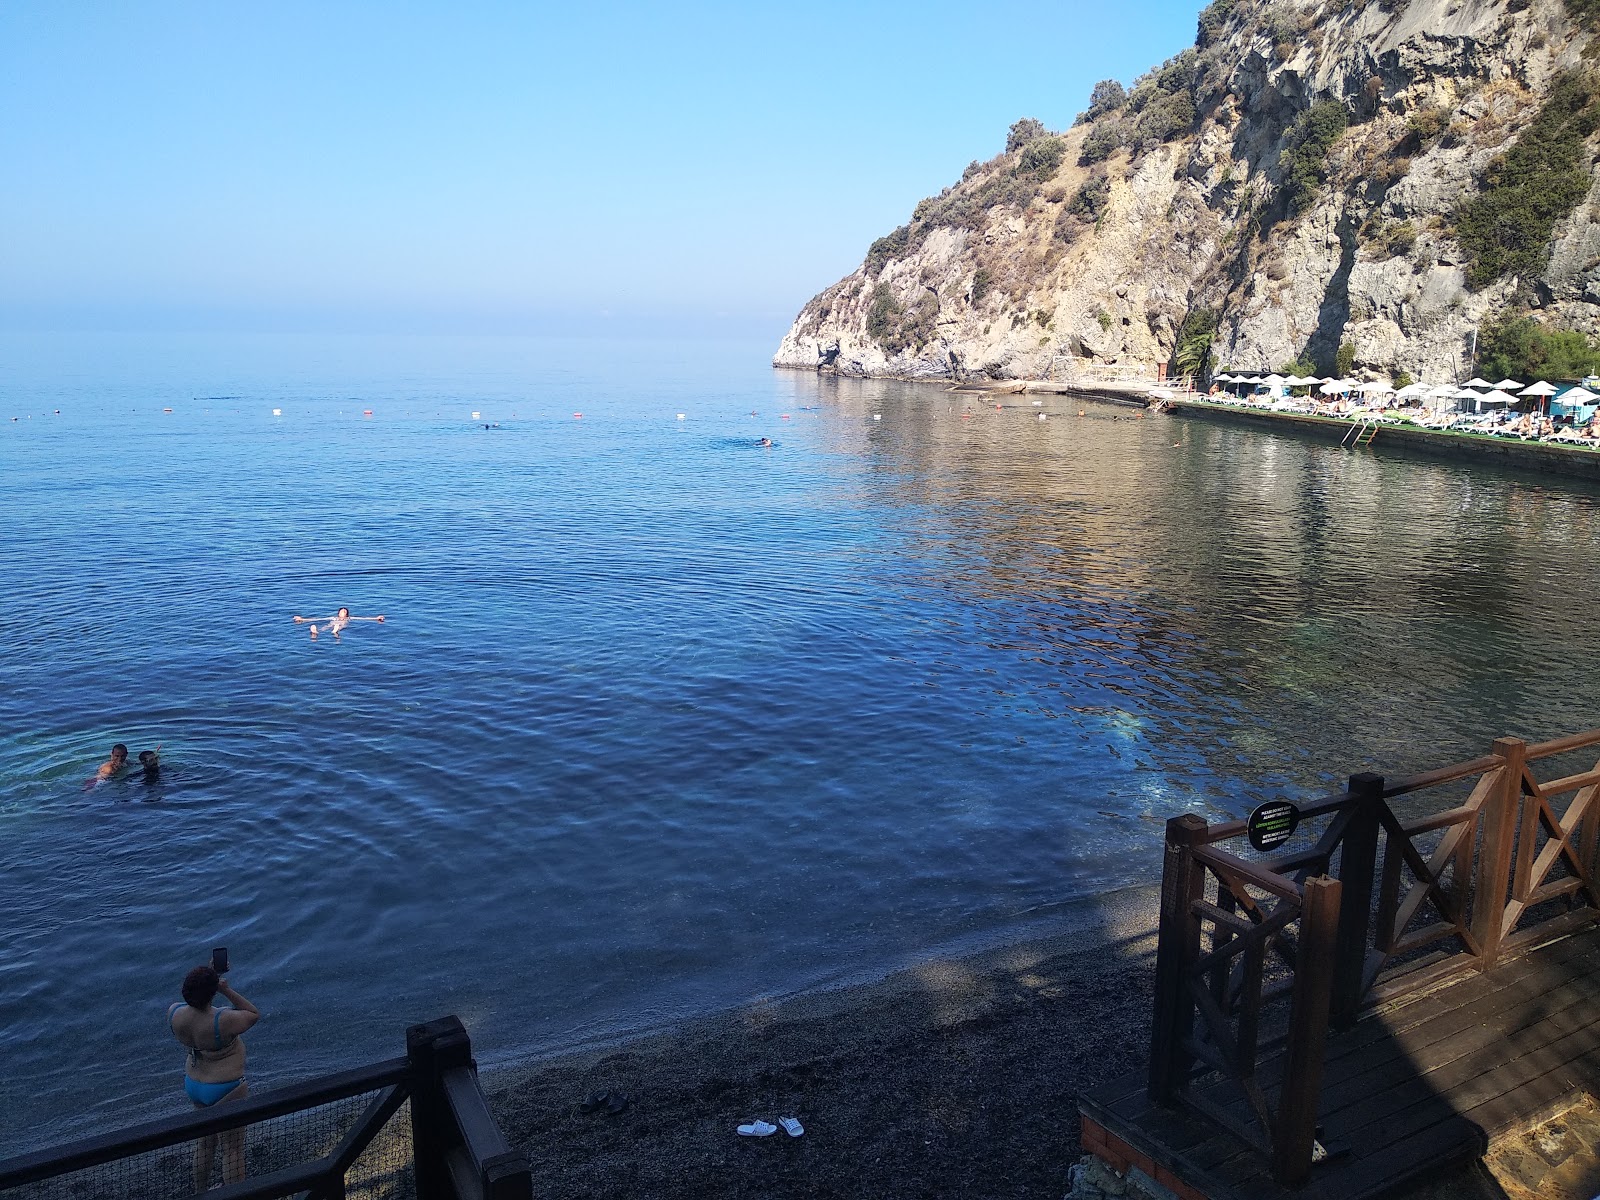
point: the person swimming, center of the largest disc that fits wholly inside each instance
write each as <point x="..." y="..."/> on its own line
<point x="111" y="767"/>
<point x="764" y="442"/>
<point x="334" y="623"/>
<point x="150" y="764"/>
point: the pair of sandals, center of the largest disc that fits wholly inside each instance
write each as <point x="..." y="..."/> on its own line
<point x="611" y="1103"/>
<point x="759" y="1128"/>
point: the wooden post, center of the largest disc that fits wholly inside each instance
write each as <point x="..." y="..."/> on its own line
<point x="1296" y="1125"/>
<point x="1358" y="860"/>
<point x="1493" y="879"/>
<point x="1177" y="948"/>
<point x="434" y="1048"/>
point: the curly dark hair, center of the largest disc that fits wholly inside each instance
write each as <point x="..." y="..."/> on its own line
<point x="199" y="985"/>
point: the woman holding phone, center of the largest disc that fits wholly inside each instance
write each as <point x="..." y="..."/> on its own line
<point x="214" y="1071"/>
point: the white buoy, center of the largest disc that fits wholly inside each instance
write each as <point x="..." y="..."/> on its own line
<point x="1041" y="416"/>
<point x="477" y="417"/>
<point x="1038" y="403"/>
<point x="277" y="412"/>
<point x="877" y="416"/>
<point x="680" y="416"/>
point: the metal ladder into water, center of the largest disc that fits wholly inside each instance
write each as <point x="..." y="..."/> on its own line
<point x="1364" y="433"/>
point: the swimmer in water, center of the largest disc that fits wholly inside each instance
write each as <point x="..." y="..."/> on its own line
<point x="334" y="623"/>
<point x="150" y="763"/>
<point x="764" y="442"/>
<point x="113" y="766"/>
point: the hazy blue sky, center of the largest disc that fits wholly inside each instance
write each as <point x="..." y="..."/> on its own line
<point x="501" y="166"/>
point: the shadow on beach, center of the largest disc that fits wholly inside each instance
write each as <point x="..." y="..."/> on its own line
<point x="952" y="1078"/>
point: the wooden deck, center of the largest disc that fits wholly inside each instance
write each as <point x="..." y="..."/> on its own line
<point x="1416" y="1085"/>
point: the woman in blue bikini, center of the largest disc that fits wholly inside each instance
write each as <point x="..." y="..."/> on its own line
<point x="215" y="1068"/>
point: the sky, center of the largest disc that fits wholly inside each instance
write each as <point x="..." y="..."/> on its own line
<point x="504" y="167"/>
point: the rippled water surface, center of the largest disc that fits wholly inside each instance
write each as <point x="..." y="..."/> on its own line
<point x="659" y="720"/>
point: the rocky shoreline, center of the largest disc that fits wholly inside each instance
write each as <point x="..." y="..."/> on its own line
<point x="956" y="1078"/>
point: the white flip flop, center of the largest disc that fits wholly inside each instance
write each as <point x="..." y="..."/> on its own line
<point x="757" y="1129"/>
<point x="792" y="1126"/>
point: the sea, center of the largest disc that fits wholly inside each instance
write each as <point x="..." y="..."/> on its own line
<point x="662" y="721"/>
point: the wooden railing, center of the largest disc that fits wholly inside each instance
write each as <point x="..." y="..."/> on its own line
<point x="458" y="1150"/>
<point x="1376" y="905"/>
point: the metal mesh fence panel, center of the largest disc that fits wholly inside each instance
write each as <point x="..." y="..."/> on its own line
<point x="382" y="1171"/>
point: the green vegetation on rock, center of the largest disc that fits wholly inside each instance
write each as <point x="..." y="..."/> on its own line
<point x="891" y="245"/>
<point x="1509" y="225"/>
<point x="1193" y="355"/>
<point x="897" y="328"/>
<point x="1521" y="348"/>
<point x="982" y="279"/>
<point x="1212" y="18"/>
<point x="1304" y="159"/>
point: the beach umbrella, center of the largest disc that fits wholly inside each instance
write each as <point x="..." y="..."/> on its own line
<point x="1539" y="391"/>
<point x="1273" y="379"/>
<point x="1413" y="389"/>
<point x="1496" y="397"/>
<point x="1475" y="382"/>
<point x="1375" y="387"/>
<point x="1577" y="395"/>
<point x="1331" y="387"/>
<point x="1508" y="385"/>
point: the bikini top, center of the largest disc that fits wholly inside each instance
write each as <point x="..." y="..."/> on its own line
<point x="198" y="1052"/>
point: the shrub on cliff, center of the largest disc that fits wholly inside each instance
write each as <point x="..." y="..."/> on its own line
<point x="1212" y="18"/>
<point x="895" y="328"/>
<point x="890" y="245"/>
<point x="1042" y="156"/>
<point x="1304" y="159"/>
<point x="1543" y="177"/>
<point x="1100" y="143"/>
<point x="1091" y="199"/>
<point x="1023" y="132"/>
<point x="1521" y="348"/>
<point x="982" y="280"/>
<point x="1108" y="96"/>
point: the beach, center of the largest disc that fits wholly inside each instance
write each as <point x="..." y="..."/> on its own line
<point x="954" y="1078"/>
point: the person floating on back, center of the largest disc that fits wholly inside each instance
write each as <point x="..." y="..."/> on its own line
<point x="334" y="623"/>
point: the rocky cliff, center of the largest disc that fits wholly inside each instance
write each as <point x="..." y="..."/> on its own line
<point x="1364" y="184"/>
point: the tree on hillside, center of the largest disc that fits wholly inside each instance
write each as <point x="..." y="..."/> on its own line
<point x="1023" y="132"/>
<point x="1108" y="96"/>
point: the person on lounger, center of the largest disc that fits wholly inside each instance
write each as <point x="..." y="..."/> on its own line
<point x="334" y="623"/>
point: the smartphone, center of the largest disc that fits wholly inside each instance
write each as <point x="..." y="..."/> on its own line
<point x="219" y="960"/>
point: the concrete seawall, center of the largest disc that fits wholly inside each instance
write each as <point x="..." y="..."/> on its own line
<point x="1571" y="462"/>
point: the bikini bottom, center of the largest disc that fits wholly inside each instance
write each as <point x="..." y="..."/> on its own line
<point x="207" y="1094"/>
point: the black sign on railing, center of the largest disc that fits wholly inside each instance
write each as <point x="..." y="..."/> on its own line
<point x="1272" y="824"/>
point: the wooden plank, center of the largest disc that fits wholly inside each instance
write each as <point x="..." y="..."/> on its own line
<point x="1482" y="1048"/>
<point x="1226" y="864"/>
<point x="1463" y="1085"/>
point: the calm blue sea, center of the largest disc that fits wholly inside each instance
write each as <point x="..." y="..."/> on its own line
<point x="661" y="721"/>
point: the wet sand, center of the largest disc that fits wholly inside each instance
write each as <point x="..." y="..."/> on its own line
<point x="953" y="1078"/>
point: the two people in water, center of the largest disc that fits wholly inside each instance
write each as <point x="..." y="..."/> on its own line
<point x="334" y="623"/>
<point x="149" y="764"/>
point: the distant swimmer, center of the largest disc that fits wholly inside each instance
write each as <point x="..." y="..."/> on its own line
<point x="764" y="442"/>
<point x="150" y="763"/>
<point x="111" y="767"/>
<point x="334" y="623"/>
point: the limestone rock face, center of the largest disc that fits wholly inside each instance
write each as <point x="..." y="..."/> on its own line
<point x="1032" y="268"/>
